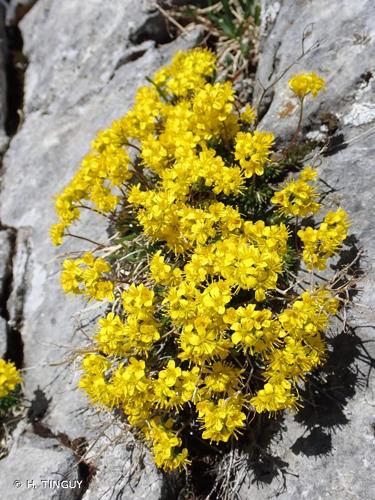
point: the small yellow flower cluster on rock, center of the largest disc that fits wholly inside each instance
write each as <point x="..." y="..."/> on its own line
<point x="194" y="344"/>
<point x="322" y="243"/>
<point x="298" y="198"/>
<point x="9" y="378"/>
<point x="306" y="83"/>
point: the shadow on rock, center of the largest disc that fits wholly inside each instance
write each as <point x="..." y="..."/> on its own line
<point x="327" y="393"/>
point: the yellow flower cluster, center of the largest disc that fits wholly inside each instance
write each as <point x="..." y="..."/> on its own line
<point x="252" y="151"/>
<point x="248" y="115"/>
<point x="187" y="72"/>
<point x="322" y="243"/>
<point x="194" y="344"/>
<point x="85" y="276"/>
<point x="178" y="143"/>
<point x="166" y="446"/>
<point x="302" y="348"/>
<point x="298" y="198"/>
<point x="9" y="377"/>
<point x="223" y="419"/>
<point x="306" y="83"/>
<point x="101" y="170"/>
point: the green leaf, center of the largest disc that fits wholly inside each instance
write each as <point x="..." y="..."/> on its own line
<point x="257" y="12"/>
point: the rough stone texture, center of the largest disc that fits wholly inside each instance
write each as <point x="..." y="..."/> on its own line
<point x="122" y="470"/>
<point x="83" y="73"/>
<point x="33" y="459"/>
<point x="82" y="53"/>
<point x="17" y="9"/>
<point x="3" y="86"/>
<point x="329" y="451"/>
<point x="5" y="256"/>
<point x="21" y="267"/>
<point x="3" y="337"/>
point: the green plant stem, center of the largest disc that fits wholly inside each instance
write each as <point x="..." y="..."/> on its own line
<point x="161" y="92"/>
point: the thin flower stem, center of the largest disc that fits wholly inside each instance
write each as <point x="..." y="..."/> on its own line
<point x="298" y="129"/>
<point x="300" y="117"/>
<point x="295" y="232"/>
<point x="96" y="211"/>
<point x="130" y="145"/>
<point x="100" y="245"/>
<point x="304" y="52"/>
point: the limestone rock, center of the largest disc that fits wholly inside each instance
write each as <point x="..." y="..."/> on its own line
<point x="3" y="85"/>
<point x="20" y="269"/>
<point x="122" y="470"/>
<point x="37" y="468"/>
<point x="17" y="9"/>
<point x="3" y="337"/>
<point x="5" y="261"/>
<point x="74" y="53"/>
<point x="338" y="41"/>
<point x="5" y="271"/>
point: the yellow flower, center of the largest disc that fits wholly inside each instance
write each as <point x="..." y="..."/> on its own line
<point x="221" y="420"/>
<point x="254" y="330"/>
<point x="57" y="233"/>
<point x="138" y="300"/>
<point x="306" y="83"/>
<point x="9" y="377"/>
<point x="111" y="336"/>
<point x="248" y="115"/>
<point x="252" y="150"/>
<point x="324" y="242"/>
<point x="166" y="446"/>
<point x="170" y="374"/>
<point x="274" y="397"/>
<point x="222" y="378"/>
<point x="188" y="71"/>
<point x="298" y="198"/>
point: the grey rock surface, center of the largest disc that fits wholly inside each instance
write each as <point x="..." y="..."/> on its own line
<point x="20" y="268"/>
<point x="17" y="9"/>
<point x="328" y="451"/>
<point x="3" y="337"/>
<point x="33" y="464"/>
<point x="5" y="272"/>
<point x="5" y="260"/>
<point x="338" y="44"/>
<point x="122" y="470"/>
<point x="3" y="85"/>
<point x="82" y="74"/>
<point x="78" y="51"/>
